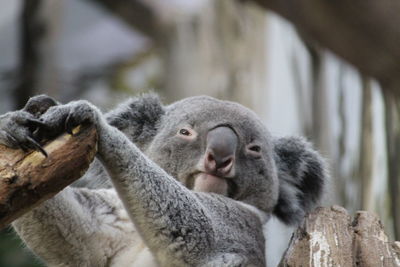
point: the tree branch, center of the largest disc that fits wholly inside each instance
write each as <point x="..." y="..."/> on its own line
<point x="28" y="179"/>
<point x="365" y="33"/>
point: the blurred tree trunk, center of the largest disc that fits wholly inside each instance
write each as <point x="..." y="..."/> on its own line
<point x="38" y="33"/>
<point x="48" y="74"/>
<point x="366" y="170"/>
<point x="321" y="129"/>
<point x="341" y="174"/>
<point x="371" y="26"/>
<point x="31" y="32"/>
<point x="313" y="102"/>
<point x="392" y="121"/>
<point x="217" y="49"/>
<point x="303" y="97"/>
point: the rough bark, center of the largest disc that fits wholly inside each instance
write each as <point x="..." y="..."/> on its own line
<point x="328" y="237"/>
<point x="29" y="178"/>
<point x="365" y="33"/>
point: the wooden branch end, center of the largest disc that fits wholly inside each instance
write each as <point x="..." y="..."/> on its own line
<point x="29" y="178"/>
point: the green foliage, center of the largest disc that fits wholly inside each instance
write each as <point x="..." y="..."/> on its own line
<point x="13" y="253"/>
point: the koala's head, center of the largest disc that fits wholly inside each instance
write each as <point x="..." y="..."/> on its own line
<point x="217" y="146"/>
<point x="222" y="147"/>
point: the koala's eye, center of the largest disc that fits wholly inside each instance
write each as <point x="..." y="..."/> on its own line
<point x="184" y="132"/>
<point x="254" y="150"/>
<point x="187" y="134"/>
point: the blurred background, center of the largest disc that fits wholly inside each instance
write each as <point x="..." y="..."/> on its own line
<point x="106" y="51"/>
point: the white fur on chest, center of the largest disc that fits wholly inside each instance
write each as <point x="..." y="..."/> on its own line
<point x="124" y="246"/>
<point x="137" y="256"/>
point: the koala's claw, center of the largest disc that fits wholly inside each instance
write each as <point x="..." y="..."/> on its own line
<point x="35" y="145"/>
<point x="24" y="142"/>
<point x="64" y="118"/>
<point x="69" y="124"/>
<point x="16" y="131"/>
<point x="28" y="143"/>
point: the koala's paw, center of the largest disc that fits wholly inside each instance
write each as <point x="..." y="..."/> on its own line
<point x="64" y="118"/>
<point x="38" y="105"/>
<point x="17" y="130"/>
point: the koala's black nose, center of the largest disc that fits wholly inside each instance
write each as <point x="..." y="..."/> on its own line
<point x="220" y="152"/>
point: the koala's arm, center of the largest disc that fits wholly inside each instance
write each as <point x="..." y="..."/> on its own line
<point x="62" y="230"/>
<point x="137" y="118"/>
<point x="171" y="219"/>
<point x="77" y="227"/>
<point x="178" y="225"/>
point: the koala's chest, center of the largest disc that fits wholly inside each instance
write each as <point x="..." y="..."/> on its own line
<point x="135" y="256"/>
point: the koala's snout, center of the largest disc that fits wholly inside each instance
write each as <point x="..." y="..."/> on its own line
<point x="220" y="151"/>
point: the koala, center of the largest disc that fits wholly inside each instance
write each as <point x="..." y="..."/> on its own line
<point x="186" y="184"/>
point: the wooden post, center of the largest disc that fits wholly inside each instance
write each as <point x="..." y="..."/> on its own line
<point x="328" y="237"/>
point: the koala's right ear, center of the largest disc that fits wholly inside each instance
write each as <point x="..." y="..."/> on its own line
<point x="302" y="178"/>
<point x="138" y="118"/>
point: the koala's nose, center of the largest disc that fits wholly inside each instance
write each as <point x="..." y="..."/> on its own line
<point x="220" y="151"/>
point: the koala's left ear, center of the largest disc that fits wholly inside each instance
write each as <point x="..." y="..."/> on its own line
<point x="138" y="118"/>
<point x="302" y="177"/>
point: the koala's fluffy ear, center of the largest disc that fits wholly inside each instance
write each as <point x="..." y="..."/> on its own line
<point x="302" y="176"/>
<point x="138" y="118"/>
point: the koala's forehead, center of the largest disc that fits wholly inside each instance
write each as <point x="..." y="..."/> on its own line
<point x="203" y="110"/>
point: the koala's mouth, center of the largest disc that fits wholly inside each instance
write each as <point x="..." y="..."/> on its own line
<point x="206" y="182"/>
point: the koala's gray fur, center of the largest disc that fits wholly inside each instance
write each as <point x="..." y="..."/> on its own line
<point x="136" y="207"/>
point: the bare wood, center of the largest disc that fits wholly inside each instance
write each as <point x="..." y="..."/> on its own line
<point x="28" y="179"/>
<point x="371" y="245"/>
<point x="365" y="33"/>
<point x="325" y="238"/>
<point x="329" y="237"/>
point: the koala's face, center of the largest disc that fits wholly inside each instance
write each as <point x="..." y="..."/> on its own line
<point x="217" y="146"/>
